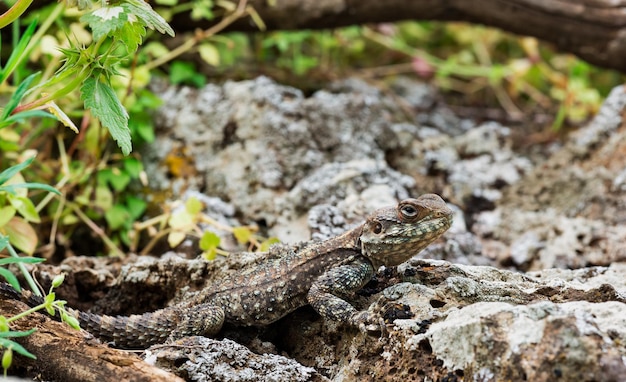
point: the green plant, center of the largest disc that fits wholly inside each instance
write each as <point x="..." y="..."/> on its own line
<point x="187" y="221"/>
<point x="50" y="304"/>
<point x="14" y="201"/>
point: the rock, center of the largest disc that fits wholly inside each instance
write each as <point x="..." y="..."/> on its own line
<point x="204" y="359"/>
<point x="481" y="323"/>
<point x="571" y="206"/>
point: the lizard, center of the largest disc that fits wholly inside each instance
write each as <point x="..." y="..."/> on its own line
<point x="321" y="274"/>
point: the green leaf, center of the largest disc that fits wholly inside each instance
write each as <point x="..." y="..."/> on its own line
<point x="265" y="245"/>
<point x="10" y="278"/>
<point x="104" y="197"/>
<point x="11" y="171"/>
<point x="185" y="72"/>
<point x="133" y="166"/>
<point x="19" y="117"/>
<point x="7" y="358"/>
<point x="104" y="104"/>
<point x="11" y="188"/>
<point x="143" y="11"/>
<point x="18" y="53"/>
<point x="71" y="321"/>
<point x="22" y="235"/>
<point x="209" y="255"/>
<point x="209" y="53"/>
<point x="17" y="333"/>
<point x="27" y="210"/>
<point x="17" y="96"/>
<point x="181" y="220"/>
<point x="175" y="238"/>
<point x="4" y="325"/>
<point x="193" y="206"/>
<point x="4" y="242"/>
<point x="49" y="299"/>
<point x="136" y="207"/>
<point x="116" y="178"/>
<point x="117" y="216"/>
<point x="105" y="21"/>
<point x="242" y="234"/>
<point x="58" y="280"/>
<point x="6" y="343"/>
<point x="25" y="260"/>
<point x="131" y="35"/>
<point x="6" y="214"/>
<point x="209" y="240"/>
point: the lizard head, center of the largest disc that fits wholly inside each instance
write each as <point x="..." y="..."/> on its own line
<point x="393" y="235"/>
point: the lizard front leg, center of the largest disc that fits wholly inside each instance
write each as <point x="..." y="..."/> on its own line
<point x="325" y="294"/>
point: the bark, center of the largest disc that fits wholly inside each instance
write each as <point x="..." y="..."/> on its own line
<point x="595" y="30"/>
<point x="65" y="354"/>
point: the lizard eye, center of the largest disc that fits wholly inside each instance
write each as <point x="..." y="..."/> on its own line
<point x="408" y="211"/>
<point x="378" y="228"/>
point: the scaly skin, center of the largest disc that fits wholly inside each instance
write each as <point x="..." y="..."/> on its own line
<point x="318" y="273"/>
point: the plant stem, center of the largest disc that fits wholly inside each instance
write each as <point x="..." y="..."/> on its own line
<point x="77" y="79"/>
<point x="14" y="12"/>
<point x="97" y="230"/>
<point x="27" y="276"/>
<point x="241" y="11"/>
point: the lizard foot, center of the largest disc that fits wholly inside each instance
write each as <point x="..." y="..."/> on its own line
<point x="369" y="321"/>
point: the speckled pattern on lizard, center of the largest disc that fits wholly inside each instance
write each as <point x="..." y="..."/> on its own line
<point x="321" y="274"/>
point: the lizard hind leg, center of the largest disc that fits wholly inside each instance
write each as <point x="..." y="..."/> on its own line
<point x="199" y="320"/>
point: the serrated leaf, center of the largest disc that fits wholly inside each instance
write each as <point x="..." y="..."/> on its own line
<point x="104" y="104"/>
<point x="105" y="21"/>
<point x="242" y="234"/>
<point x="131" y="34"/>
<point x="21" y="235"/>
<point x="144" y="12"/>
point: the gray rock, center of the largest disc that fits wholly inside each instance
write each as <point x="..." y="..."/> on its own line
<point x="204" y="359"/>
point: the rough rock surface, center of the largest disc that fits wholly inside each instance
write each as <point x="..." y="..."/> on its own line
<point x="301" y="166"/>
<point x="276" y="155"/>
<point x="204" y="359"/>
